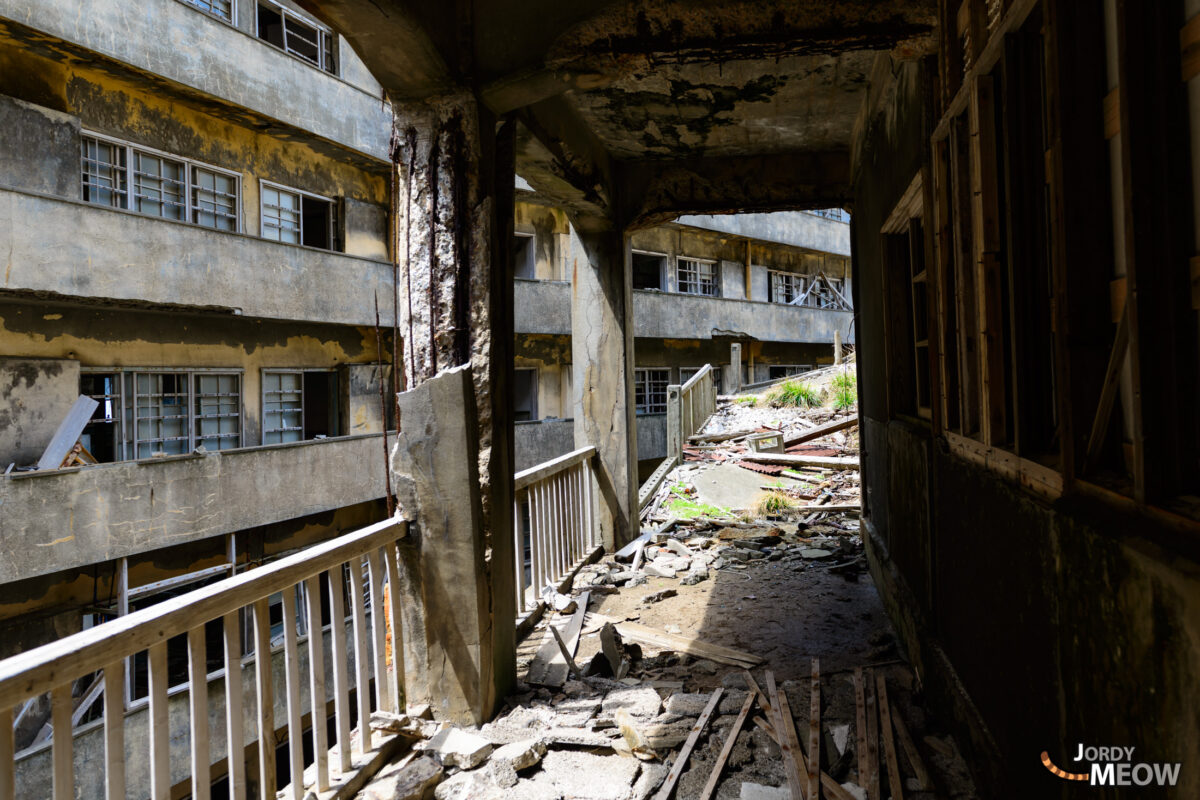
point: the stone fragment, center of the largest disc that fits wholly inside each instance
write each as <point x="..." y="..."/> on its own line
<point x="680" y="564"/>
<point x="815" y="552"/>
<point x="641" y="702"/>
<point x="678" y="547"/>
<point x="687" y="705"/>
<point x="456" y="747"/>
<point x="731" y="702"/>
<point x="648" y="781"/>
<point x="575" y="774"/>
<point x="521" y="755"/>
<point x="734" y="680"/>
<point x="475" y="785"/>
<point x="657" y="570"/>
<point x="655" y="597"/>
<point x="668" y="736"/>
<point x="756" y="791"/>
<point x="409" y="782"/>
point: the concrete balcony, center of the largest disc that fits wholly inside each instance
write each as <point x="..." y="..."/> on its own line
<point x="55" y="520"/>
<point x="72" y="249"/>
<point x="213" y="60"/>
<point x="545" y="307"/>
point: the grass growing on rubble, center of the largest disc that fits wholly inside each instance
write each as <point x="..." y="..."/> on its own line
<point x="794" y="393"/>
<point x="845" y="391"/>
<point x="683" y="506"/>
<point x="750" y="401"/>
<point x="772" y="504"/>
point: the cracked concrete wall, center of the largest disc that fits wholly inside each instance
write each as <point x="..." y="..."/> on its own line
<point x="35" y="396"/>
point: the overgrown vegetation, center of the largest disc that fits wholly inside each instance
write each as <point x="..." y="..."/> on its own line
<point x="794" y="393"/>
<point x="773" y="504"/>
<point x="749" y="400"/>
<point x="683" y="506"/>
<point x="844" y="390"/>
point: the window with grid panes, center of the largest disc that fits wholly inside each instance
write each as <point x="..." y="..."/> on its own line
<point x="786" y="287"/>
<point x="219" y="8"/>
<point x="280" y="215"/>
<point x="104" y="173"/>
<point x="296" y="36"/>
<point x="283" y="407"/>
<point x="159" y="186"/>
<point x="696" y="277"/>
<point x="216" y="424"/>
<point x="102" y="436"/>
<point x="160" y="405"/>
<point x="214" y="199"/>
<point x="650" y="390"/>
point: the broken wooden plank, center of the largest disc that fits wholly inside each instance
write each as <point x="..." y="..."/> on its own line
<point x="832" y="508"/>
<point x="872" y="778"/>
<point x="715" y="438"/>
<point x="566" y="654"/>
<point x="68" y="433"/>
<point x="895" y="780"/>
<point x="682" y="644"/>
<point x="685" y="751"/>
<point x="762" y="698"/>
<point x="814" y="732"/>
<point x="912" y="753"/>
<point x="548" y="667"/>
<point x="786" y="739"/>
<point x="860" y="728"/>
<point x="832" y="787"/>
<point x="715" y="776"/>
<point x="797" y="460"/>
<point x="823" y="430"/>
<point x="627" y="552"/>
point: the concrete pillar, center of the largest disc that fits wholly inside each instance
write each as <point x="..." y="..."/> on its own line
<point x="453" y="252"/>
<point x="733" y="380"/>
<point x="602" y="356"/>
<point x="837" y="348"/>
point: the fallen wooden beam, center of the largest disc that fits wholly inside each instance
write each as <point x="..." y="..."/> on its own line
<point x="832" y="787"/>
<point x="814" y="733"/>
<point x="681" y="644"/>
<point x="681" y="760"/>
<point x="860" y="728"/>
<point x="872" y="779"/>
<point x="912" y="753"/>
<point x="839" y="508"/>
<point x="715" y="775"/>
<point x="895" y="779"/>
<point x="785" y="728"/>
<point x="566" y="654"/>
<point x="823" y="430"/>
<point x="714" y="438"/>
<point x="549" y="667"/>
<point x="797" y="460"/>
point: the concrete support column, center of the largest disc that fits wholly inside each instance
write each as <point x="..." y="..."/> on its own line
<point x="602" y="355"/>
<point x="453" y="204"/>
<point x="837" y="348"/>
<point x="733" y="381"/>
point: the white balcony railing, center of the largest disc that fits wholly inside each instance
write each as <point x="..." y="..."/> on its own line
<point x="105" y="649"/>
<point x="688" y="407"/>
<point x="554" y="526"/>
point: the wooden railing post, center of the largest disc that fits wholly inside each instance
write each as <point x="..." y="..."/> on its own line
<point x="675" y="422"/>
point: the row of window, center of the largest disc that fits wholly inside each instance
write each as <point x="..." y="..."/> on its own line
<point x="121" y="175"/>
<point x="293" y="33"/>
<point x="811" y="291"/>
<point x="142" y="413"/>
<point x="696" y="276"/>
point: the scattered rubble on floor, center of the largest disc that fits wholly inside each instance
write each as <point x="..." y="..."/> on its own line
<point x="631" y="686"/>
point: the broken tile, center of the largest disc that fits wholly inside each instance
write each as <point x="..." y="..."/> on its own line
<point x="457" y="748"/>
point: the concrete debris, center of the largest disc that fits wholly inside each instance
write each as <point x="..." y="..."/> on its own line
<point x="655" y="597"/>
<point x="455" y="747"/>
<point x="405" y="781"/>
<point x="756" y="791"/>
<point x="642" y="703"/>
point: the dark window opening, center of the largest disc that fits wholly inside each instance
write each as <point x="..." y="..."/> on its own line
<point x="102" y="436"/>
<point x="647" y="271"/>
<point x="318" y="222"/>
<point x="525" y="384"/>
<point x="524" y="256"/>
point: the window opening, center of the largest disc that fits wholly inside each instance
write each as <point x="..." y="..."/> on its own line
<point x="524" y="256"/>
<point x="102" y="435"/>
<point x="650" y="390"/>
<point x="648" y="271"/>
<point x="296" y="217"/>
<point x="296" y="36"/>
<point x="697" y="277"/>
<point x="525" y="386"/>
<point x="787" y="287"/>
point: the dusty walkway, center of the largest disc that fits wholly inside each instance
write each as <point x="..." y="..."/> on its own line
<point x="744" y="590"/>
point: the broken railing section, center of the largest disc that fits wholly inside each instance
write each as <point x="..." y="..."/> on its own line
<point x="688" y="407"/>
<point x="554" y="523"/>
<point x="107" y="649"/>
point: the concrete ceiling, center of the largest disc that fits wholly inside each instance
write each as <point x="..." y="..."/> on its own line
<point x="707" y="105"/>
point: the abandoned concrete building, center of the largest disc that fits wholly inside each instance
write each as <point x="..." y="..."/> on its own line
<point x="203" y="203"/>
<point x="757" y="296"/>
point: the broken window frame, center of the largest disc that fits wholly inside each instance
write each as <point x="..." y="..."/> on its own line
<point x="325" y="43"/>
<point x="697" y="276"/>
<point x="300" y="195"/>
<point x="663" y="259"/>
<point x="789" y="370"/>
<point x="794" y="283"/>
<point x="650" y="384"/>
<point x="225" y="205"/>
<point x="213" y="9"/>
<point x="117" y="420"/>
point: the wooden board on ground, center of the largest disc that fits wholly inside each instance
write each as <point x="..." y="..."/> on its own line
<point x="715" y="776"/>
<point x="895" y="780"/>
<point x="548" y="667"/>
<point x="823" y="430"/>
<point x="797" y="460"/>
<point x="685" y="751"/>
<point x="872" y="778"/>
<point x="912" y="753"/>
<point x="681" y="644"/>
<point x="785" y="737"/>
<point x="860" y="728"/>
<point x="814" y="733"/>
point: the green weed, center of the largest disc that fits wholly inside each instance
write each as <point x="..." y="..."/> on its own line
<point x="794" y="393"/>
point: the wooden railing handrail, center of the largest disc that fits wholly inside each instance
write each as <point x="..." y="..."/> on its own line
<point x="43" y="668"/>
<point x="555" y="465"/>
<point x="685" y="388"/>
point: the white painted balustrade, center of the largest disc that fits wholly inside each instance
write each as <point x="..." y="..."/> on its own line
<point x="106" y="649"/>
<point x="554" y="523"/>
<point x="688" y="407"/>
